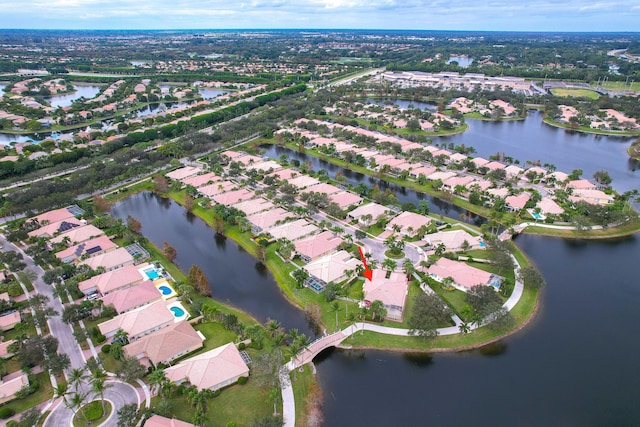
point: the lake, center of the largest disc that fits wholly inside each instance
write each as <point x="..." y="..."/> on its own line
<point x="463" y="61"/>
<point x="210" y="93"/>
<point x="575" y="365"/>
<point x="236" y="278"/>
<point x="65" y="100"/>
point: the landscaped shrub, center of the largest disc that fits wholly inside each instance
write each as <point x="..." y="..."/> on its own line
<point x="100" y="339"/>
<point x="106" y="348"/>
<point x="242" y="380"/>
<point x="241" y="346"/>
<point x="6" y="413"/>
<point x="13" y="423"/>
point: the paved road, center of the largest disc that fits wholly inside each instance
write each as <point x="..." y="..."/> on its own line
<point x="119" y="395"/>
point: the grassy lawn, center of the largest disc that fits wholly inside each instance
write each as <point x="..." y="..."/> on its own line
<point x="42" y="394"/>
<point x="455" y="299"/>
<point x="587" y="129"/>
<point x="575" y="93"/>
<point x="216" y="336"/>
<point x="237" y="403"/>
<point x="92" y="411"/>
<point x="624" y="230"/>
<point x="301" y="387"/>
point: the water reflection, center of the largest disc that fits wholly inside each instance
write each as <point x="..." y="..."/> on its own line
<point x="495" y="349"/>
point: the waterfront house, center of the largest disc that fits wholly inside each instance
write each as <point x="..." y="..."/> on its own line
<point x="317" y="245"/>
<point x="233" y="197"/>
<point x="392" y="291"/>
<point x="183" y="173"/>
<point x="93" y="247"/>
<point x="254" y="206"/>
<point x="323" y="188"/>
<point x="515" y="203"/>
<point x="111" y="281"/>
<point x="53" y="229"/>
<point x="345" y="199"/>
<point x="373" y="209"/>
<point x="110" y="260"/>
<point x="165" y="345"/>
<point x="464" y="276"/>
<point x="201" y="180"/>
<point x="293" y="231"/>
<point x="548" y="206"/>
<point x="212" y="370"/>
<point x="78" y="235"/>
<point x="139" y="322"/>
<point x="329" y="268"/>
<point x="409" y="223"/>
<point x="130" y="298"/>
<point x="452" y="240"/>
<point x="268" y="219"/>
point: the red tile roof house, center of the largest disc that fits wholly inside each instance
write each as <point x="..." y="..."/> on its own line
<point x="248" y="159"/>
<point x="251" y="207"/>
<point x="317" y="245"/>
<point x="212" y="370"/>
<point x="139" y="322"/>
<point x="182" y="173"/>
<point x="11" y="384"/>
<point x="391" y="291"/>
<point x="464" y="276"/>
<point x="111" y="281"/>
<point x="265" y="166"/>
<point x="9" y="320"/>
<point x="53" y="216"/>
<point x="268" y="219"/>
<point x="515" y="203"/>
<point x="373" y="209"/>
<point x="594" y="197"/>
<point x="451" y="183"/>
<point x="285" y="174"/>
<point x="409" y="223"/>
<point x="581" y="184"/>
<point x="90" y="248"/>
<point x="422" y="170"/>
<point x="548" y="206"/>
<point x="453" y="240"/>
<point x="233" y="197"/>
<point x="216" y="188"/>
<point x="133" y="297"/>
<point x="78" y="235"/>
<point x="4" y="349"/>
<point x="323" y="188"/>
<point x="165" y="345"/>
<point x="345" y="199"/>
<point x="479" y="162"/>
<point x="293" y="231"/>
<point x="110" y="260"/>
<point x="329" y="268"/>
<point x="53" y="229"/>
<point x="200" y="180"/>
<point x="160" y="421"/>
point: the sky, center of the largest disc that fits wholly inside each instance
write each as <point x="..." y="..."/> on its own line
<point x="481" y="15"/>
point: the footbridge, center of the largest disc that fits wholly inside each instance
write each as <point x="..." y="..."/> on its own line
<point x="316" y="347"/>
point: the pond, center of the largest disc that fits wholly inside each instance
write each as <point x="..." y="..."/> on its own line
<point x="236" y="278"/>
<point x="209" y="93"/>
<point x="576" y="364"/>
<point x="463" y="61"/>
<point x="65" y="100"/>
<point x="402" y="104"/>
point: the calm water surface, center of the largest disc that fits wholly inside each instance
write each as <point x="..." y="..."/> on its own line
<point x="575" y="365"/>
<point x="235" y="277"/>
<point x="66" y="100"/>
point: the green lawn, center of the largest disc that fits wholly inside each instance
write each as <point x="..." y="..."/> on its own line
<point x="237" y="403"/>
<point x="454" y="298"/>
<point x="575" y="93"/>
<point x="302" y="385"/>
<point x="215" y="334"/>
<point x="92" y="411"/>
<point x="42" y="394"/>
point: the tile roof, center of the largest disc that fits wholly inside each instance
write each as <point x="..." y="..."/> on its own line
<point x="109" y="260"/>
<point x="463" y="274"/>
<point x="79" y="234"/>
<point x="132" y="297"/>
<point x="113" y="280"/>
<point x="139" y="321"/>
<point x="160" y="421"/>
<point x="391" y="291"/>
<point x="318" y="244"/>
<point x="166" y="344"/>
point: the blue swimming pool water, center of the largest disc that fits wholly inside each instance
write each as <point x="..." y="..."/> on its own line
<point x="165" y="290"/>
<point x="151" y="274"/>
<point x="482" y="245"/>
<point x="536" y="215"/>
<point x="177" y="311"/>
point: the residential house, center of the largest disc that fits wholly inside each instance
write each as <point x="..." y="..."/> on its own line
<point x="548" y="206"/>
<point x="329" y="268"/>
<point x="111" y="281"/>
<point x="515" y="203"/>
<point x="11" y="384"/>
<point x="464" y="276"/>
<point x="183" y="173"/>
<point x="594" y="197"/>
<point x="254" y="206"/>
<point x="266" y="220"/>
<point x="110" y="260"/>
<point x="453" y="241"/>
<point x="317" y="245"/>
<point x="139" y="322"/>
<point x="160" y="421"/>
<point x="345" y="199"/>
<point x="4" y="349"/>
<point x="373" y="209"/>
<point x="8" y="320"/>
<point x="201" y="180"/>
<point x="293" y="231"/>
<point x="166" y="345"/>
<point x="409" y="223"/>
<point x="392" y="291"/>
<point x="78" y="235"/>
<point x="54" y="228"/>
<point x="212" y="370"/>
<point x="130" y="298"/>
<point x="89" y="248"/>
<point x="233" y="197"/>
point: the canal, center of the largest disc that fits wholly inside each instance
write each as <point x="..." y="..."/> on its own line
<point x="235" y="276"/>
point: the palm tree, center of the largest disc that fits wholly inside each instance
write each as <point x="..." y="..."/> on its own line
<point x="99" y="385"/>
<point x="273" y="326"/>
<point x="389" y="264"/>
<point x="464" y="328"/>
<point x="156" y="379"/>
<point x="76" y="403"/>
<point x="61" y="390"/>
<point x="77" y="377"/>
<point x="408" y="268"/>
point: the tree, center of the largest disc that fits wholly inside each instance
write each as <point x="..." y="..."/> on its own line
<point x="57" y="363"/>
<point x="300" y="275"/>
<point x="127" y="415"/>
<point x="156" y="379"/>
<point x="531" y="277"/>
<point x="169" y="251"/>
<point x="576" y="174"/>
<point x="602" y="177"/>
<point x="77" y="401"/>
<point x="378" y="310"/>
<point x="130" y="370"/>
<point x="199" y="280"/>
<point x="286" y="248"/>
<point x="389" y="264"/>
<point x="188" y="202"/>
<point x="100" y="205"/>
<point x="160" y="183"/>
<point x="429" y="313"/>
<point x="99" y="385"/>
<point x="133" y="224"/>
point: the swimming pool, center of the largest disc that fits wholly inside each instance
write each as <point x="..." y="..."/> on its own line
<point x="177" y="311"/>
<point x="536" y="215"/>
<point x="482" y="244"/>
<point x="165" y="290"/>
<point x="151" y="273"/>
